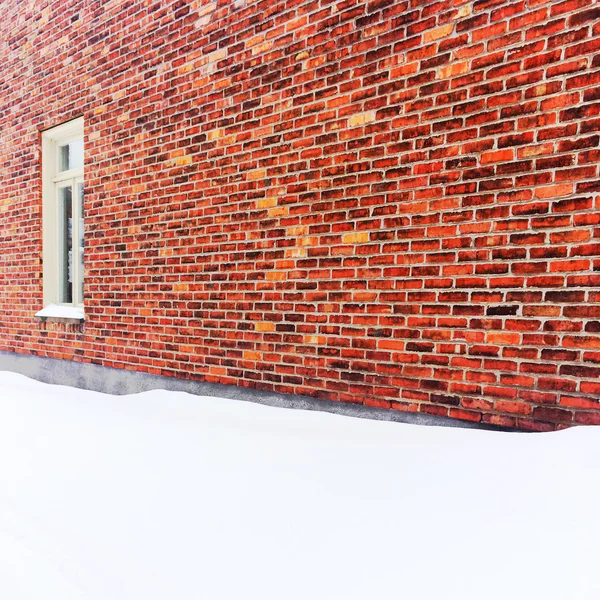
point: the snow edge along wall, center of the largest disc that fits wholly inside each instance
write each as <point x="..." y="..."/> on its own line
<point x="392" y="203"/>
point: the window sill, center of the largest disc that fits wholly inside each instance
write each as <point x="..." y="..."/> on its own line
<point x="62" y="314"/>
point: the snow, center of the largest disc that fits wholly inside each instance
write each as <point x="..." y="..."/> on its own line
<point x="164" y="495"/>
<point x="58" y="311"/>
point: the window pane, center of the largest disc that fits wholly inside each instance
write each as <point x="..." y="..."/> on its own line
<point x="65" y="222"/>
<point x="71" y="155"/>
<point x="81" y="237"/>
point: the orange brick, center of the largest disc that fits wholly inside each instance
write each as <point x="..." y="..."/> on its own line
<point x="554" y="191"/>
<point x="362" y="118"/>
<point x="257" y="174"/>
<point x="436" y="34"/>
<point x="452" y="70"/>
<point x="497" y="156"/>
<point x="356" y="238"/>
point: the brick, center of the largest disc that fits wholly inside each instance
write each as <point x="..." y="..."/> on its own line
<point x="215" y="134"/>
<point x="587" y="418"/>
<point x="541" y="150"/>
<point x="206" y="9"/>
<point x="554" y="415"/>
<point x="554" y="191"/>
<point x="356" y="238"/>
<point x="362" y="118"/>
<point x="453" y="70"/>
<point x="583" y="17"/>
<point x="257" y="174"/>
<point x="436" y="34"/>
<point x="266" y="202"/>
<point x="497" y="156"/>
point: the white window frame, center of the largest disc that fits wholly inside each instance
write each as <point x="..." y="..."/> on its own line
<point x="52" y="181"/>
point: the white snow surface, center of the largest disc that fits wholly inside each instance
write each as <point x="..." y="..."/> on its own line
<point x="169" y="496"/>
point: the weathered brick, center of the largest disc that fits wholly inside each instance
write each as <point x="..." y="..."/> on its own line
<point x="362" y="118"/>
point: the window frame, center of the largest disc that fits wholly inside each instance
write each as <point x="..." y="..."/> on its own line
<point x="52" y="181"/>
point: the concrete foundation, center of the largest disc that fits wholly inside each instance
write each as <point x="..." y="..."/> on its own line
<point x="119" y="381"/>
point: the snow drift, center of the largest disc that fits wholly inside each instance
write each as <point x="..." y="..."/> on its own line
<point x="164" y="495"/>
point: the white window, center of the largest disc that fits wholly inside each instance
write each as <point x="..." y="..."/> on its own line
<point x="62" y="207"/>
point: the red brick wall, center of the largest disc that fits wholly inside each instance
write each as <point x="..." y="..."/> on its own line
<point x="388" y="202"/>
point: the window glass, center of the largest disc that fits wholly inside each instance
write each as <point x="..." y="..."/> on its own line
<point x="70" y="156"/>
<point x="81" y="236"/>
<point x="65" y="221"/>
